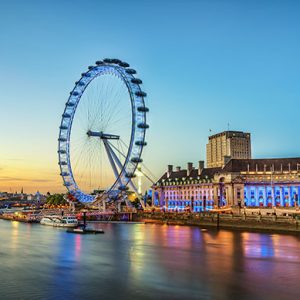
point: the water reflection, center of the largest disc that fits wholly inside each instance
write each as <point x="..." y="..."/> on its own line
<point x="14" y="236"/>
<point x="146" y="262"/>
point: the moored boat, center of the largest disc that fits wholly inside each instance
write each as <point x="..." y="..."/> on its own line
<point x="59" y="221"/>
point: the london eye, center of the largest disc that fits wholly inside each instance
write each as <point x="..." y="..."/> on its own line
<point x="102" y="132"/>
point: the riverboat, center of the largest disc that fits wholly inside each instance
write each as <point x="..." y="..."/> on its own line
<point x="59" y="221"/>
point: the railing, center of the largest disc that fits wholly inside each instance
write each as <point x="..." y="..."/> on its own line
<point x="270" y="211"/>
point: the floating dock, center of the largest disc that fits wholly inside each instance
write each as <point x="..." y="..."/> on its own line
<point x="85" y="231"/>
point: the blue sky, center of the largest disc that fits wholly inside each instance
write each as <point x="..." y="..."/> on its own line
<point x="204" y="64"/>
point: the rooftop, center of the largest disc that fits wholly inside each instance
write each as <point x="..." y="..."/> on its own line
<point x="230" y="133"/>
<point x="263" y="164"/>
<point x="236" y="166"/>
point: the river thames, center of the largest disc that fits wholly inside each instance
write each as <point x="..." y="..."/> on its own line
<point x="136" y="261"/>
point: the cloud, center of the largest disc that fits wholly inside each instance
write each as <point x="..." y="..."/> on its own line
<point x="9" y="178"/>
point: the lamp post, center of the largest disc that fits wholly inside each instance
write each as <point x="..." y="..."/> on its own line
<point x="84" y="218"/>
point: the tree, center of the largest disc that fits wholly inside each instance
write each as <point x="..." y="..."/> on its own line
<point x="56" y="199"/>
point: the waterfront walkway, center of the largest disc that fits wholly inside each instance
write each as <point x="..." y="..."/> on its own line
<point x="259" y="219"/>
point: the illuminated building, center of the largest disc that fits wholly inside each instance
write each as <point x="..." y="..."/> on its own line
<point x="226" y="145"/>
<point x="265" y="182"/>
<point x="249" y="182"/>
<point x="178" y="189"/>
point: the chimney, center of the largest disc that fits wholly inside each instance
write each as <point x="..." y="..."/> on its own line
<point x="170" y="170"/>
<point x="200" y="166"/>
<point x="178" y="169"/>
<point x="189" y="168"/>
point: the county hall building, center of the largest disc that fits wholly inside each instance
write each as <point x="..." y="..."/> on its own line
<point x="232" y="178"/>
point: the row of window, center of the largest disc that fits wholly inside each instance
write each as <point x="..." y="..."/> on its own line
<point x="180" y="198"/>
<point x="188" y="192"/>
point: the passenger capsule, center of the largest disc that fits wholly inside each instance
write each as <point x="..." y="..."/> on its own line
<point x="62" y="151"/>
<point x="86" y="75"/>
<point x="124" y="64"/>
<point x="123" y="188"/>
<point x="70" y="104"/>
<point x="143" y="125"/>
<point x="107" y="60"/>
<point x="130" y="71"/>
<point x="140" y="94"/>
<point x="65" y="115"/>
<point x="136" y="160"/>
<point x="142" y="109"/>
<point x="62" y="139"/>
<point x="141" y="143"/>
<point x="63" y="163"/>
<point x="116" y="61"/>
<point x="63" y="127"/>
<point x="130" y="175"/>
<point x="91" y="67"/>
<point x="99" y="62"/>
<point x="64" y="174"/>
<point x="136" y="80"/>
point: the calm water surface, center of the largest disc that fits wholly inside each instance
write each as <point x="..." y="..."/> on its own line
<point x="146" y="262"/>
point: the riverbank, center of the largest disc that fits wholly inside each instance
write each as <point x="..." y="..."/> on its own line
<point x="19" y="218"/>
<point x="266" y="220"/>
<point x="267" y="223"/>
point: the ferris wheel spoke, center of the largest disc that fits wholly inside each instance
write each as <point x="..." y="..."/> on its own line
<point x="84" y="168"/>
<point x="114" y="111"/>
<point x="114" y="115"/>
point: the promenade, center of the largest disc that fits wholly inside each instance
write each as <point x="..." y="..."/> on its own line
<point x="253" y="219"/>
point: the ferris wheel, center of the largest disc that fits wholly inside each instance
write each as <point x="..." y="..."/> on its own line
<point x="102" y="132"/>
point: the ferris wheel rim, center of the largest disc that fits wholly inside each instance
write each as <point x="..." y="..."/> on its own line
<point x="139" y="125"/>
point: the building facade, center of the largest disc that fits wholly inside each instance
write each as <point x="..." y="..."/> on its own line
<point x="223" y="146"/>
<point x="244" y="182"/>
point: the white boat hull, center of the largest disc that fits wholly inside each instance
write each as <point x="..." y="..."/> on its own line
<point x="59" y="225"/>
<point x="57" y="221"/>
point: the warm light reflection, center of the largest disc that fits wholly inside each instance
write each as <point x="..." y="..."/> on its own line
<point x="77" y="247"/>
<point x="136" y="253"/>
<point x="222" y="245"/>
<point x="14" y="235"/>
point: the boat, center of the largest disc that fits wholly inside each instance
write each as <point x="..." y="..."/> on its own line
<point x="85" y="230"/>
<point x="223" y="209"/>
<point x="8" y="209"/>
<point x="59" y="221"/>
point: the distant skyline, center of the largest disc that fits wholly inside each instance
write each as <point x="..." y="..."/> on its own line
<point x="204" y="64"/>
